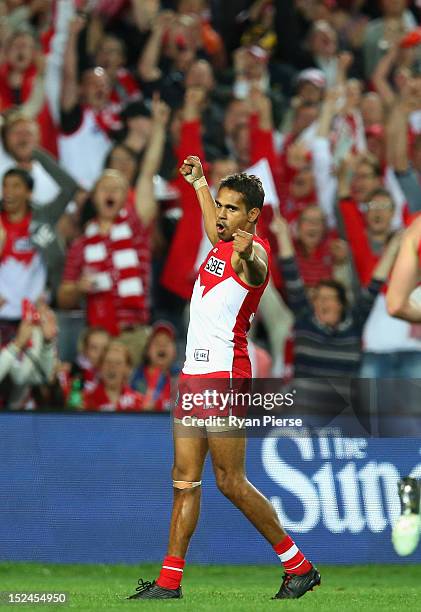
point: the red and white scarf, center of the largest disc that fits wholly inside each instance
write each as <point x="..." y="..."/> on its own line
<point x="113" y="260"/>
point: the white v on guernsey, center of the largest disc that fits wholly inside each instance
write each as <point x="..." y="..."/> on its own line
<point x="221" y="310"/>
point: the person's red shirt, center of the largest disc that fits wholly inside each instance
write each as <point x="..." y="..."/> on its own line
<point x="365" y="259"/>
<point x="155" y="385"/>
<point x="318" y="265"/>
<point x="97" y="399"/>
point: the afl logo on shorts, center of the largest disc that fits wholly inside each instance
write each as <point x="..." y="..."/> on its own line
<point x="215" y="266"/>
<point x="201" y="355"/>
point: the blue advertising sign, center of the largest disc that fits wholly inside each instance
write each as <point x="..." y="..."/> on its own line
<point x="96" y="488"/>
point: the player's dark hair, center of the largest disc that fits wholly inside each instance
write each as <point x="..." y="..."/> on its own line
<point x="23" y="175"/>
<point x="250" y="187"/>
<point x="338" y="287"/>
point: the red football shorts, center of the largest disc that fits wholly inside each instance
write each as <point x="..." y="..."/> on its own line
<point x="213" y="394"/>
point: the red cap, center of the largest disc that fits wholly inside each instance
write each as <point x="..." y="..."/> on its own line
<point x="412" y="39"/>
<point x="163" y="327"/>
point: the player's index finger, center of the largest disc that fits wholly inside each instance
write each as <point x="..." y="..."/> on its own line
<point x="243" y="233"/>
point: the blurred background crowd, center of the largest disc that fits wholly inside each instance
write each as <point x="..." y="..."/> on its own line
<point x="101" y="239"/>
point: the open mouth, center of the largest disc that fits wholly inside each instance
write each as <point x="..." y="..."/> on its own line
<point x="161" y="354"/>
<point x="220" y="227"/>
<point x="110" y="203"/>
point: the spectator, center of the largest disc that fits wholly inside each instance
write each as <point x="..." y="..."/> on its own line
<point x="22" y="84"/>
<point x="391" y="348"/>
<point x="136" y="118"/>
<point x="135" y="134"/>
<point x="327" y="331"/>
<point x="25" y="17"/>
<point x="251" y="70"/>
<point x="86" y="118"/>
<point x="310" y="87"/>
<point x="236" y="116"/>
<point x="382" y="33"/>
<point x="210" y="42"/>
<point x="240" y="147"/>
<point x="155" y="378"/>
<point x="200" y="82"/>
<point x="166" y="58"/>
<point x="20" y="147"/>
<point x="393" y="72"/>
<point x="404" y="148"/>
<point x="31" y="252"/>
<point x="20" y="75"/>
<point x="189" y="242"/>
<point x="137" y="124"/>
<point x="29" y="359"/>
<point x="122" y="158"/>
<point x="367" y="232"/>
<point x="318" y="253"/>
<point x="83" y="373"/>
<point x="110" y="264"/>
<point x="323" y="45"/>
<point x="372" y="110"/>
<point x="111" y="55"/>
<point x="112" y="393"/>
<point x="260" y="25"/>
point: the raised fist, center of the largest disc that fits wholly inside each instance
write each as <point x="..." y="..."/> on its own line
<point x="191" y="169"/>
<point x="243" y="243"/>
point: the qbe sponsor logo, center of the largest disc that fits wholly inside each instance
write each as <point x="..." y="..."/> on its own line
<point x="215" y="266"/>
<point x="201" y="355"/>
<point x="346" y="493"/>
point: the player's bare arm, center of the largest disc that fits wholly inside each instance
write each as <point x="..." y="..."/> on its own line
<point x="249" y="259"/>
<point x="192" y="172"/>
<point x="405" y="276"/>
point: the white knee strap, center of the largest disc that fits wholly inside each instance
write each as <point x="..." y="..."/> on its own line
<point x="183" y="484"/>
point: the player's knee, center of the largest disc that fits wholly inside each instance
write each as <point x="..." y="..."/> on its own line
<point x="229" y="484"/>
<point x="184" y="479"/>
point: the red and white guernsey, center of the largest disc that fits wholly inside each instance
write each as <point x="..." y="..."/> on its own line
<point x="221" y="310"/>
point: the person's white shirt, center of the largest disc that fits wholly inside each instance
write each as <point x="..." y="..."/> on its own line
<point x="46" y="188"/>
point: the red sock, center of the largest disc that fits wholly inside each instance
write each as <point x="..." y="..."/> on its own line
<point x="291" y="557"/>
<point x="171" y="573"/>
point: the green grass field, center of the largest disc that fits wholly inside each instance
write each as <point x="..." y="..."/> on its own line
<point x="218" y="588"/>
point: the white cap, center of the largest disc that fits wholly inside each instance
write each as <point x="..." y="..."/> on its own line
<point x="314" y="75"/>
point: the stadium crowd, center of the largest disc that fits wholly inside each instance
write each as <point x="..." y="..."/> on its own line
<point x="100" y="237"/>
